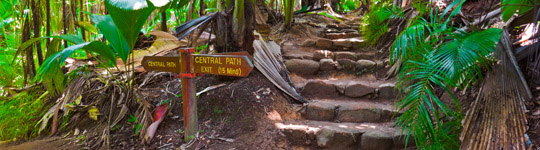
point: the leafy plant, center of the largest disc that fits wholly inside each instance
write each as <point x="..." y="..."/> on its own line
<point x="509" y="7"/>
<point x="288" y="6"/>
<point x="375" y="22"/>
<point x="18" y="113"/>
<point x="434" y="56"/>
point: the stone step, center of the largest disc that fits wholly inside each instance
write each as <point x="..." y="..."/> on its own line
<point x="349" y="111"/>
<point x="346" y="43"/>
<point x="332" y="30"/>
<point x="343" y="65"/>
<point x="353" y="88"/>
<point x="329" y="135"/>
<point x="341" y="35"/>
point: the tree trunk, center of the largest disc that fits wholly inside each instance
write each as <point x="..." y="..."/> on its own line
<point x="288" y="12"/>
<point x="190" y="10"/>
<point x="36" y="15"/>
<point x="249" y="21"/>
<point x="202" y="7"/>
<point x="164" y="21"/>
<point x="64" y="20"/>
<point x="238" y="21"/>
<point x="81" y="18"/>
<point x="30" y="68"/>
<point x="48" y="9"/>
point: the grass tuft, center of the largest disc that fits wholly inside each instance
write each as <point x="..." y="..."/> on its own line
<point x="18" y="115"/>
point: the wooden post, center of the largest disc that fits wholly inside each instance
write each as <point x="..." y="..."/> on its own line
<point x="189" y="99"/>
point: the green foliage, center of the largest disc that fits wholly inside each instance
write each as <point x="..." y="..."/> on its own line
<point x="58" y="59"/>
<point x="130" y="17"/>
<point x="109" y="30"/>
<point x="18" y="113"/>
<point x="375" y="22"/>
<point x="10" y="74"/>
<point x="432" y="56"/>
<point x="348" y="5"/>
<point x="324" y="13"/>
<point x="288" y="7"/>
<point x="509" y="7"/>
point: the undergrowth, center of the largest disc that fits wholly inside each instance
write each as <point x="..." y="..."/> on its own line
<point x="375" y="22"/>
<point x="18" y="115"/>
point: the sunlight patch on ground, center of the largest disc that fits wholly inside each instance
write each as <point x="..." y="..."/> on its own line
<point x="274" y="115"/>
<point x="306" y="128"/>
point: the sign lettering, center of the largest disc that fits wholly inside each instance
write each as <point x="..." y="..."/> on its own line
<point x="161" y="63"/>
<point x="229" y="65"/>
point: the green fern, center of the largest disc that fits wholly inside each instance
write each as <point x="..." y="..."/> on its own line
<point x="375" y="23"/>
<point x="432" y="55"/>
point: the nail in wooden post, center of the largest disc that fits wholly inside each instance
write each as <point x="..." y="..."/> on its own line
<point x="189" y="99"/>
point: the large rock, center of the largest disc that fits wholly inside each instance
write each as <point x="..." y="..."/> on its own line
<point x="375" y="140"/>
<point x="366" y="55"/>
<point x="357" y="42"/>
<point x="346" y="64"/>
<point x="295" y="135"/>
<point x="341" y="35"/>
<point x="358" y="115"/>
<point x="309" y="42"/>
<point x="388" y="91"/>
<point x="319" y="89"/>
<point x="358" y="90"/>
<point x="323" y="54"/>
<point x="302" y="66"/>
<point x="346" y="55"/>
<point x="298" y="54"/>
<point x="380" y="64"/>
<point x="342" y="43"/>
<point x="337" y="138"/>
<point x="320" y="111"/>
<point x="365" y="65"/>
<point x="327" y="65"/>
<point x="331" y="30"/>
<point x="324" y="43"/>
<point x="400" y="139"/>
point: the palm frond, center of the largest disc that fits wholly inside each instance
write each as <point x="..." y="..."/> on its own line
<point x="462" y="57"/>
<point x="408" y="40"/>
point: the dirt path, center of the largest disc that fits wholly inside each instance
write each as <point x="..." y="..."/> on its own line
<point x="57" y="143"/>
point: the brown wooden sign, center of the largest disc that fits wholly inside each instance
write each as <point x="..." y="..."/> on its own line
<point x="223" y="64"/>
<point x="188" y="65"/>
<point x="161" y="63"/>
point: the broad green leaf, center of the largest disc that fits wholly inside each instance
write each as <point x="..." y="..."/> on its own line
<point x="129" y="16"/>
<point x="509" y="7"/>
<point x="68" y="37"/>
<point x="108" y="28"/>
<point x="88" y="27"/>
<point x="57" y="76"/>
<point x="54" y="62"/>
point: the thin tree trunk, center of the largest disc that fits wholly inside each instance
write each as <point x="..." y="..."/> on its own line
<point x="48" y="9"/>
<point x="81" y="18"/>
<point x="30" y="68"/>
<point x="164" y="21"/>
<point x="190" y="11"/>
<point x="238" y="21"/>
<point x="64" y="20"/>
<point x="202" y="7"/>
<point x="36" y="15"/>
<point x="249" y="21"/>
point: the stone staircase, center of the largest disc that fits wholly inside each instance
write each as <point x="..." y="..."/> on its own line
<point x="348" y="108"/>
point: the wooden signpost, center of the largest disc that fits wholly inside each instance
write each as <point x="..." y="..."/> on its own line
<point x="189" y="65"/>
